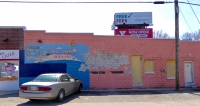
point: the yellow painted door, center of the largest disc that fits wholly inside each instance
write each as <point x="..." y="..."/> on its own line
<point x="137" y="69"/>
<point x="171" y="69"/>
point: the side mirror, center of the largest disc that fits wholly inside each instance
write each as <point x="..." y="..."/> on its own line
<point x="76" y="79"/>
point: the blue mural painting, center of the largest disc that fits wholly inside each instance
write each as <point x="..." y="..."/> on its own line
<point x="55" y="55"/>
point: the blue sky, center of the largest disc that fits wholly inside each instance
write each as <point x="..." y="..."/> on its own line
<point x="93" y="18"/>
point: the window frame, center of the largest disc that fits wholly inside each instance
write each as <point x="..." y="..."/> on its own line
<point x="61" y="80"/>
<point x="71" y="78"/>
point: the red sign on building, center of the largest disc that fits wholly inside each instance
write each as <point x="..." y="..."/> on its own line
<point x="141" y="33"/>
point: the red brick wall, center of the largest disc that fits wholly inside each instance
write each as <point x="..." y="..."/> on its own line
<point x="15" y="36"/>
<point x="159" y="50"/>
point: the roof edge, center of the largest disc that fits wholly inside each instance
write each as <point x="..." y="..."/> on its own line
<point x="24" y="28"/>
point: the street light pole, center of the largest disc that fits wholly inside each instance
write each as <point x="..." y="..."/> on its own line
<point x="176" y="9"/>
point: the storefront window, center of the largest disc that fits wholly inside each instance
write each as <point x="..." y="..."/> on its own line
<point x="9" y="70"/>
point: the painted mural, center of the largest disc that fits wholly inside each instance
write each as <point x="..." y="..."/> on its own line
<point x="60" y="53"/>
<point x="78" y="59"/>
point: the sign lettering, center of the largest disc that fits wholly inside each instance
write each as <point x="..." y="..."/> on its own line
<point x="9" y="54"/>
<point x="131" y="18"/>
<point x="141" y="33"/>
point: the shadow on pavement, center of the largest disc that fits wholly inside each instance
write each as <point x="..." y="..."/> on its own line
<point x="51" y="102"/>
<point x="195" y="91"/>
<point x="107" y="93"/>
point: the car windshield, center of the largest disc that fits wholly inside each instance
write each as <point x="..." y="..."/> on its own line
<point x="46" y="78"/>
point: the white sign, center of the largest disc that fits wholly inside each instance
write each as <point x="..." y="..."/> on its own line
<point x="133" y="18"/>
<point x="9" y="54"/>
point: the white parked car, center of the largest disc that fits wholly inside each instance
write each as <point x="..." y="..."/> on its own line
<point x="50" y="86"/>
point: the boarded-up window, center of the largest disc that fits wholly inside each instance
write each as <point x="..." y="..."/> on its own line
<point x="149" y="66"/>
<point x="171" y="67"/>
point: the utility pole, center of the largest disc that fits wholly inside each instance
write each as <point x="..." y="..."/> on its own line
<point x="176" y="9"/>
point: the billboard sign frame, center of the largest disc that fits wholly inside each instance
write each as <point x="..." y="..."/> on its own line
<point x="130" y="18"/>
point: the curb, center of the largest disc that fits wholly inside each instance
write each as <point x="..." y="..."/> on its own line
<point x="2" y="93"/>
<point x="159" y="89"/>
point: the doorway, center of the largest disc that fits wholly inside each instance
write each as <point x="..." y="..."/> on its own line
<point x="137" y="70"/>
<point x="189" y="74"/>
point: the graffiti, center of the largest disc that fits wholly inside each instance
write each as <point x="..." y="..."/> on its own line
<point x="101" y="60"/>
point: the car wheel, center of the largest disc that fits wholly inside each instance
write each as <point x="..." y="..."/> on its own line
<point x="61" y="95"/>
<point x="79" y="89"/>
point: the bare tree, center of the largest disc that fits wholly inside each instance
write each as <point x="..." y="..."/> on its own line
<point x="197" y="35"/>
<point x="159" y="34"/>
<point x="187" y="36"/>
<point x="191" y="36"/>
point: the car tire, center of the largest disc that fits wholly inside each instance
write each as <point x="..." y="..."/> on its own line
<point x="79" y="89"/>
<point x="61" y="95"/>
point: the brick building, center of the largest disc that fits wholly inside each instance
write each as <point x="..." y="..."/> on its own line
<point x="107" y="62"/>
<point x="11" y="42"/>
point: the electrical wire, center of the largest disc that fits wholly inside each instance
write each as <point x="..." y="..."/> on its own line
<point x="189" y="3"/>
<point x="155" y="2"/>
<point x="159" y="2"/>
<point x="194" y="12"/>
<point x="185" y="20"/>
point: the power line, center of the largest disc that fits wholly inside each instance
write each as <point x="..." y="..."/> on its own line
<point x="156" y="2"/>
<point x="189" y="3"/>
<point x="185" y="20"/>
<point x="194" y="12"/>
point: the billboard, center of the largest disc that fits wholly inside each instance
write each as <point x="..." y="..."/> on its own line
<point x="141" y="33"/>
<point x="130" y="18"/>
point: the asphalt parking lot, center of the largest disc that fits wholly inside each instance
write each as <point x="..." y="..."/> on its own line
<point x="167" y="97"/>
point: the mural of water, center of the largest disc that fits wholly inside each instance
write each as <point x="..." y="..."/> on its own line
<point x="58" y="53"/>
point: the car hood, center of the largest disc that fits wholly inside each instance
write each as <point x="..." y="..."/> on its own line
<point x="39" y="83"/>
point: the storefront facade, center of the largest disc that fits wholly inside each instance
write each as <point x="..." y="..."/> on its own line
<point x="112" y="62"/>
<point x="9" y="69"/>
<point x="11" y="42"/>
<point x="101" y="62"/>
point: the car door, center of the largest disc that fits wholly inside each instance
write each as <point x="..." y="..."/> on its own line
<point x="66" y="83"/>
<point x="72" y="83"/>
